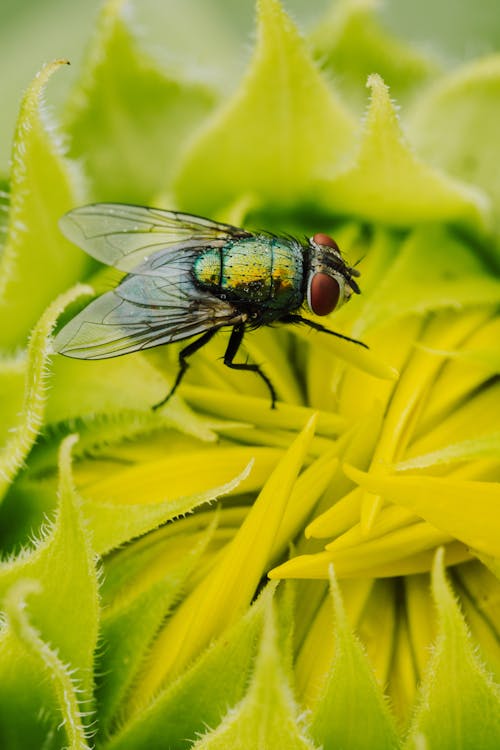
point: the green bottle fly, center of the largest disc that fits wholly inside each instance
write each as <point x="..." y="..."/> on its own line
<point x="187" y="277"/>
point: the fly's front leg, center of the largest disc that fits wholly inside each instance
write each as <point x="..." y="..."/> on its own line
<point x="184" y="364"/>
<point x="319" y="327"/>
<point x="232" y="348"/>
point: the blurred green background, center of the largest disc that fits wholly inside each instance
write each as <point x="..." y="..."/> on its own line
<point x="208" y="39"/>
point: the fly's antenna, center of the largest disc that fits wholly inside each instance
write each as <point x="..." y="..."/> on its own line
<point x="353" y="270"/>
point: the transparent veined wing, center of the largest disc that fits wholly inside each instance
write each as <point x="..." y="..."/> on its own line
<point x="124" y="236"/>
<point x="156" y="304"/>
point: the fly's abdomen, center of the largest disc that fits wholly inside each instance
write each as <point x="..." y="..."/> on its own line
<point x="262" y="271"/>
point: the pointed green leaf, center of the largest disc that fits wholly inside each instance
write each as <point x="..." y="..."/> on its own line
<point x="458" y="706"/>
<point x="35" y="683"/>
<point x="201" y="695"/>
<point x="63" y="564"/>
<point x="127" y="120"/>
<point x="267" y="717"/>
<point x="141" y="584"/>
<point x="29" y="421"/>
<point x="279" y="133"/>
<point x="37" y="261"/>
<point x="115" y="518"/>
<point x="350" y="684"/>
<point x="387" y="183"/>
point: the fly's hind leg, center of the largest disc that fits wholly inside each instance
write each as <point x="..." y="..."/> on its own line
<point x="232" y="348"/>
<point x="184" y="364"/>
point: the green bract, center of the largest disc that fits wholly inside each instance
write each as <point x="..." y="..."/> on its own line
<point x="137" y="545"/>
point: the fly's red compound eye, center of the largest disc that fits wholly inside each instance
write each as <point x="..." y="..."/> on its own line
<point x="324" y="294"/>
<point x="324" y="239"/>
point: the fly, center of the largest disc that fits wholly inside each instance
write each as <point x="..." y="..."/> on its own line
<point x="187" y="277"/>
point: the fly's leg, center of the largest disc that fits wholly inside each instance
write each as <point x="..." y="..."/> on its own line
<point x="319" y="327"/>
<point x="232" y="348"/>
<point x="184" y="364"/>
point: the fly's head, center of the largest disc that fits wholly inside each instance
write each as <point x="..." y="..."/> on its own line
<point x="330" y="281"/>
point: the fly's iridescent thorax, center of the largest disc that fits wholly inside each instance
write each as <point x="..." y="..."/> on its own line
<point x="261" y="271"/>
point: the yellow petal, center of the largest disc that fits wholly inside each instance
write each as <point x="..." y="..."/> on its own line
<point x="257" y="411"/>
<point x="366" y="360"/>
<point x="408" y="396"/>
<point x="221" y="598"/>
<point x="463" y="509"/>
<point x="363" y="559"/>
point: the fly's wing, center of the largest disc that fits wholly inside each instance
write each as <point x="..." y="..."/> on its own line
<point x="157" y="304"/>
<point x="124" y="236"/>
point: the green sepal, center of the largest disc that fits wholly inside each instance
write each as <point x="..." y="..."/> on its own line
<point x="29" y="390"/>
<point x="458" y="705"/>
<point x="62" y="561"/>
<point x="34" y="683"/>
<point x="267" y="716"/>
<point x="201" y="695"/>
<point x="349" y="684"/>
<point x="37" y="262"/>
<point x="141" y="584"/>
<point x="114" y="522"/>
<point x="276" y="136"/>
<point x="65" y="612"/>
<point x="127" y="119"/>
<point x="385" y="182"/>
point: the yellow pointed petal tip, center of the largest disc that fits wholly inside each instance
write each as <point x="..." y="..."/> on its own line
<point x="358" y="476"/>
<point x="445" y="503"/>
<point x="336" y="519"/>
<point x="303" y="566"/>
